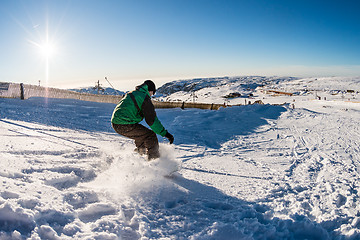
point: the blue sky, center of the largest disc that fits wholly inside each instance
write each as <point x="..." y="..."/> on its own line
<point x="164" y="40"/>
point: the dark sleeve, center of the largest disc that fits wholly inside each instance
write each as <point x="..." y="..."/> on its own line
<point x="151" y="119"/>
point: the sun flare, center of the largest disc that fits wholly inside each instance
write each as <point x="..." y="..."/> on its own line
<point x="47" y="49"/>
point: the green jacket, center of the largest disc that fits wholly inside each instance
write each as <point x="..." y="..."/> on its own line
<point x="127" y="113"/>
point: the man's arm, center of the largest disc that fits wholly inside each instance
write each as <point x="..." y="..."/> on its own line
<point x="151" y="119"/>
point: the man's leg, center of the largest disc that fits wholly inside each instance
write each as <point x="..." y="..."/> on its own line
<point x="144" y="138"/>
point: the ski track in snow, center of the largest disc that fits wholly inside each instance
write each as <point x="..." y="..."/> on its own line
<point x="248" y="172"/>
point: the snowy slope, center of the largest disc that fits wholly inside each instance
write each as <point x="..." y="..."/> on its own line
<point x="247" y="172"/>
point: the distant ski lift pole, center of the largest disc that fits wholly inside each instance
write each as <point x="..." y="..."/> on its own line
<point x="98" y="87"/>
<point x="193" y="95"/>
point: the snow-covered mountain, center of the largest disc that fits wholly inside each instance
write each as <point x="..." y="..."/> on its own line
<point x="209" y="89"/>
<point x="246" y="172"/>
<point x="240" y="90"/>
<point x="244" y="83"/>
<point x="94" y="90"/>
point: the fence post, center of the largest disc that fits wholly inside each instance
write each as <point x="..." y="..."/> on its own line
<point x="22" y="97"/>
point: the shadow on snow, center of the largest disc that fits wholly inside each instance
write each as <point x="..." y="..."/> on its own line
<point x="213" y="128"/>
<point x="64" y="113"/>
<point x="191" y="126"/>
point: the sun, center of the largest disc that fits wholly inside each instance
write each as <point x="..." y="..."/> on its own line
<point x="47" y="49"/>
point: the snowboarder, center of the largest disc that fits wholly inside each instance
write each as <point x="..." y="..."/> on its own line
<point x="130" y="111"/>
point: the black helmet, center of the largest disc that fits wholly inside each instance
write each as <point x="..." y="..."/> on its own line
<point x="151" y="85"/>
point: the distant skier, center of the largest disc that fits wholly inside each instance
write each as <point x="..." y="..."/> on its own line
<point x="131" y="110"/>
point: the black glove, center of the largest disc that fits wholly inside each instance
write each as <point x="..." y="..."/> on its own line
<point x="169" y="137"/>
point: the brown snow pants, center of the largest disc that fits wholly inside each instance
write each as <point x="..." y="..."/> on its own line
<point x="145" y="139"/>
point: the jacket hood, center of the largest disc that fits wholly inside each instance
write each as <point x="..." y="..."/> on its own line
<point x="143" y="87"/>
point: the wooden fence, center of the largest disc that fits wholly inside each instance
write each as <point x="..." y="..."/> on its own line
<point x="25" y="91"/>
<point x="184" y="105"/>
